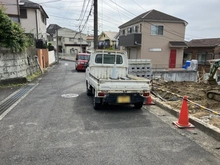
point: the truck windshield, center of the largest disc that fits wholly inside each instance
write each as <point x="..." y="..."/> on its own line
<point x="108" y="59"/>
<point x="83" y="57"/>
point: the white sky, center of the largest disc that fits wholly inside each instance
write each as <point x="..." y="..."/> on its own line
<point x="203" y="16"/>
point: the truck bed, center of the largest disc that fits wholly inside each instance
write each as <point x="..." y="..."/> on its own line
<point x="128" y="83"/>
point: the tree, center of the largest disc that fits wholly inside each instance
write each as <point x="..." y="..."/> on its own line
<point x="11" y="34"/>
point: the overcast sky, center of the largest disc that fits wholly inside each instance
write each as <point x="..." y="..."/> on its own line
<point x="203" y="16"/>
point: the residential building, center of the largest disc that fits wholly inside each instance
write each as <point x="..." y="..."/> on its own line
<point x="51" y="30"/>
<point x="90" y="41"/>
<point x="33" y="19"/>
<point x="157" y="36"/>
<point x="12" y="9"/>
<point x="203" y="50"/>
<point x="107" y="39"/>
<point x="70" y="42"/>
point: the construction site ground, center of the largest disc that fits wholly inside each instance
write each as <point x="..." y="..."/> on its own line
<point x="170" y="93"/>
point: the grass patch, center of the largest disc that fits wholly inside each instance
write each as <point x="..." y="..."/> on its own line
<point x="33" y="76"/>
<point x="11" y="85"/>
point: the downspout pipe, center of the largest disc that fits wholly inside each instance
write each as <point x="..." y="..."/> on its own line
<point x="36" y="22"/>
<point x="18" y="8"/>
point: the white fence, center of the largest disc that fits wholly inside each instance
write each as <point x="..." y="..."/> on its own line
<point x="51" y="57"/>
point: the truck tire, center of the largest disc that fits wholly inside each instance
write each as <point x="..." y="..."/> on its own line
<point x="88" y="91"/>
<point x="138" y="105"/>
<point x="96" y="106"/>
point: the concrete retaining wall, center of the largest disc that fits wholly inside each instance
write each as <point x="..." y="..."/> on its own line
<point x="179" y="75"/>
<point x="16" y="65"/>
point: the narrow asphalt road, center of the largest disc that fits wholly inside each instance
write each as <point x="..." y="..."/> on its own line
<point x="55" y="124"/>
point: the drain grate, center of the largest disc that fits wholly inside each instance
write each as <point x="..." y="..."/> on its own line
<point x="11" y="100"/>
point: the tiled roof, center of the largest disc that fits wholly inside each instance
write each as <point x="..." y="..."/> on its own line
<point x="152" y="16"/>
<point x="51" y="29"/>
<point x="30" y="4"/>
<point x="208" y="42"/>
<point x="90" y="38"/>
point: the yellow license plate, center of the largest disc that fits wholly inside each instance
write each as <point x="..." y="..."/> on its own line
<point x="123" y="99"/>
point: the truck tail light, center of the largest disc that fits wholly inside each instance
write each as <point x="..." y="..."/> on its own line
<point x="146" y="94"/>
<point x="101" y="94"/>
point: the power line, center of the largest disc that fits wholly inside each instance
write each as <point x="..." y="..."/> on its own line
<point x="145" y="22"/>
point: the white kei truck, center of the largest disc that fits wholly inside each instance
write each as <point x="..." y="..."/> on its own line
<point x="107" y="79"/>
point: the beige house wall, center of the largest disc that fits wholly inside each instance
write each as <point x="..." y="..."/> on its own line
<point x="172" y="32"/>
<point x="10" y="6"/>
<point x="30" y="24"/>
<point x="103" y="38"/>
<point x="68" y="36"/>
<point x="133" y="52"/>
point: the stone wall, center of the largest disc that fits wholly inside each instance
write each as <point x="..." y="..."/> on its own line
<point x="17" y="65"/>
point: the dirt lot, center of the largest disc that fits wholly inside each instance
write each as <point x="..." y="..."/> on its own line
<point x="196" y="92"/>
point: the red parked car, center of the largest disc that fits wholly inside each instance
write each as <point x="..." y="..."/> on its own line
<point x="81" y="61"/>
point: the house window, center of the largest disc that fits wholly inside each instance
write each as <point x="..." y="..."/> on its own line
<point x="80" y="40"/>
<point x="89" y="43"/>
<point x="201" y="58"/>
<point x="43" y="19"/>
<point x="71" y="39"/>
<point x="123" y="32"/>
<point x="23" y="13"/>
<point x="156" y="30"/>
<point x="15" y="19"/>
<point x="130" y="30"/>
<point x="136" y="29"/>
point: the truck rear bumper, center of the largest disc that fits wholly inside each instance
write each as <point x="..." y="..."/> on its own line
<point x="128" y="98"/>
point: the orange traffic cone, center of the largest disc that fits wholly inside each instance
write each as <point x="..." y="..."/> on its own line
<point x="183" y="121"/>
<point x="149" y="101"/>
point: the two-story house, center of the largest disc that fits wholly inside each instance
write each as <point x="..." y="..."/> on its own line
<point x="107" y="39"/>
<point x="33" y="19"/>
<point x="157" y="36"/>
<point x="70" y="42"/>
<point x="51" y="31"/>
<point x="11" y="9"/>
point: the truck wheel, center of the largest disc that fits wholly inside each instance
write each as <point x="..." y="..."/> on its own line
<point x="88" y="91"/>
<point x="96" y="106"/>
<point x="138" y="105"/>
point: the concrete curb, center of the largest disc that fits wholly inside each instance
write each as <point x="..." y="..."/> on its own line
<point x="204" y="127"/>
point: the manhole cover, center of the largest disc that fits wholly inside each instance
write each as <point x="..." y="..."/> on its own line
<point x="70" y="95"/>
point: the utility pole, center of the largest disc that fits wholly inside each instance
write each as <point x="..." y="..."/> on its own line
<point x="80" y="40"/>
<point x="57" y="54"/>
<point x="95" y="24"/>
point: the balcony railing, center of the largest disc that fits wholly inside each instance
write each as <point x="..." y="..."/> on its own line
<point x="133" y="39"/>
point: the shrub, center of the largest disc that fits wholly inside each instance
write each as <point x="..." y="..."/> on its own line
<point x="11" y="34"/>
